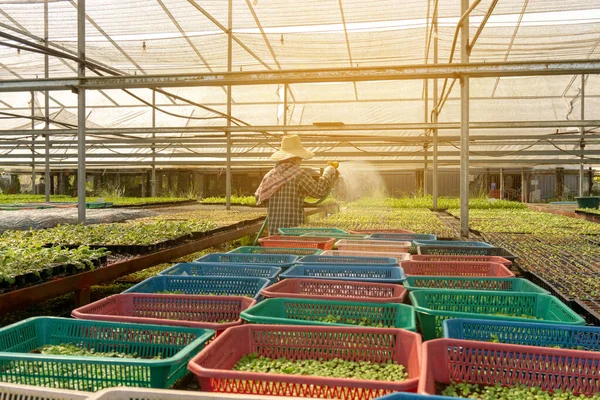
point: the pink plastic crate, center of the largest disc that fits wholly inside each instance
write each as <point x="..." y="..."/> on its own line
<point x="351" y="253"/>
<point x="455" y="268"/>
<point x="378" y="246"/>
<point x="168" y="309"/>
<point x="322" y="243"/>
<point x="495" y="259"/>
<point x="323" y="289"/>
<point x="485" y="363"/>
<point x="213" y="366"/>
<point x="372" y="231"/>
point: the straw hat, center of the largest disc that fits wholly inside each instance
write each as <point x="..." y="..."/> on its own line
<point x="291" y="147"/>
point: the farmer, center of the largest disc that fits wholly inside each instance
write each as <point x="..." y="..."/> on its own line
<point x="286" y="185"/>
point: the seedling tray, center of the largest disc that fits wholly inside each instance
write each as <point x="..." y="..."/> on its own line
<point x="24" y="392"/>
<point x="349" y="260"/>
<point x="175" y="345"/>
<point x="323" y="289"/>
<point x="351" y="273"/>
<point x="216" y="269"/>
<point x="489" y="364"/>
<point x="308" y="231"/>
<point x="177" y="310"/>
<point x="275" y="260"/>
<point x="590" y="309"/>
<point x="387" y="246"/>
<point x="205" y="285"/>
<point x="524" y="333"/>
<point x="323" y="243"/>
<point x="495" y="259"/>
<point x="455" y="268"/>
<point x="213" y="366"/>
<point x="472" y="283"/>
<point x="397" y="256"/>
<point x="465" y="251"/>
<point x="275" y="250"/>
<point x="282" y="311"/>
<point x="436" y="305"/>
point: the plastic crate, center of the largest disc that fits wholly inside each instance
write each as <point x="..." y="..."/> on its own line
<point x="472" y="283"/>
<point x="275" y="250"/>
<point x="372" y="231"/>
<point x="436" y="305"/>
<point x="349" y="260"/>
<point x="25" y="392"/>
<point x="374" y="245"/>
<point x="213" y="365"/>
<point x="284" y="311"/>
<point x="205" y="285"/>
<point x="525" y="333"/>
<point x="451" y="243"/>
<point x="413" y="396"/>
<point x="217" y="269"/>
<point x="323" y="243"/>
<point x="123" y="393"/>
<point x="397" y="256"/>
<point x="308" y="231"/>
<point x="403" y="237"/>
<point x="176" y="345"/>
<point x="350" y="236"/>
<point x="345" y="273"/>
<point x="323" y="289"/>
<point x="159" y="309"/>
<point x="465" y="251"/>
<point x="275" y="260"/>
<point x="496" y="259"/>
<point x="489" y="364"/>
<point x="455" y="268"/>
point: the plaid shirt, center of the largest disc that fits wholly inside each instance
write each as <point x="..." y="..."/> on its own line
<point x="285" y="209"/>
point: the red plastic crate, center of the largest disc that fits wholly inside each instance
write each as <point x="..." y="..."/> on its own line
<point x="379" y="246"/>
<point x="488" y="364"/>
<point x="168" y="309"/>
<point x="496" y="259"/>
<point x="372" y="231"/>
<point x="351" y="253"/>
<point x="323" y="289"/>
<point x="455" y="268"/>
<point x="322" y="243"/>
<point x="213" y="366"/>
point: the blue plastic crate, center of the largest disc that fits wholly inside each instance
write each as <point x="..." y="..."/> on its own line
<point x="413" y="396"/>
<point x="348" y="273"/>
<point x="308" y="231"/>
<point x="216" y="269"/>
<point x="402" y="237"/>
<point x="275" y="250"/>
<point x="275" y="260"/>
<point x="524" y="333"/>
<point x="453" y="243"/>
<point x="202" y="285"/>
<point x="349" y="261"/>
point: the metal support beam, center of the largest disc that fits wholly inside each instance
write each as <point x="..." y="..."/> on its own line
<point x="582" y="191"/>
<point x="285" y="104"/>
<point x="501" y="183"/>
<point x="270" y="77"/>
<point x="47" y="177"/>
<point x="464" y="125"/>
<point x="434" y="116"/>
<point x="33" y="189"/>
<point x="426" y="133"/>
<point x="228" y="131"/>
<point x="523" y="186"/>
<point x="81" y="113"/>
<point x="153" y="176"/>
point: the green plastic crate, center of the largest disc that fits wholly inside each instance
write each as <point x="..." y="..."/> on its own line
<point x="436" y="305"/>
<point x="276" y="250"/>
<point x="472" y="283"/>
<point x="284" y="311"/>
<point x="351" y="236"/>
<point x="309" y="231"/>
<point x="175" y="345"/>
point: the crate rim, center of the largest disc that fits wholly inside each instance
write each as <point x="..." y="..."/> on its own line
<point x="41" y="392"/>
<point x="275" y="270"/>
<point x="407" y="285"/>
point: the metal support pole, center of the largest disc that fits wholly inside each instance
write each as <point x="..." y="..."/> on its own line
<point x="464" y="126"/>
<point x="228" y="132"/>
<point x="47" y="177"/>
<point x="153" y="177"/>
<point x="285" y="103"/>
<point x="523" y="187"/>
<point x="501" y="183"/>
<point x="582" y="191"/>
<point x="33" y="189"/>
<point x="425" y="145"/>
<point x="81" y="113"/>
<point x="434" y="117"/>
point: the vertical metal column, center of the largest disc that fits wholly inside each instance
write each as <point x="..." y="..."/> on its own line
<point x="47" y="177"/>
<point x="33" y="189"/>
<point x="464" y="126"/>
<point x="581" y="142"/>
<point x="153" y="176"/>
<point x="501" y="183"/>
<point x="285" y="103"/>
<point x="425" y="145"/>
<point x="523" y="186"/>
<point x="228" y="132"/>
<point x="434" y="117"/>
<point x="81" y="113"/>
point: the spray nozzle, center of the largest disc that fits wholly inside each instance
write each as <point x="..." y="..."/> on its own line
<point x="334" y="164"/>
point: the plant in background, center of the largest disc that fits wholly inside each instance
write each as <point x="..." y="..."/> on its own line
<point x="112" y="191"/>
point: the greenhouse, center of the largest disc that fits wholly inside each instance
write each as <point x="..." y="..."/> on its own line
<point x="322" y="199"/>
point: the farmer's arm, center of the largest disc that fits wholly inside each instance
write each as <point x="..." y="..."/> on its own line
<point x="317" y="189"/>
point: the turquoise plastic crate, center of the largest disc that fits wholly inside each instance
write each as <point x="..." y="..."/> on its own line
<point x="276" y="250"/>
<point x="451" y="243"/>
<point x="216" y="269"/>
<point x="304" y="231"/>
<point x="175" y="346"/>
<point x="402" y="237"/>
<point x="351" y="273"/>
<point x="276" y="260"/>
<point x="413" y="396"/>
<point x="497" y="284"/>
<point x="349" y="261"/>
<point x="205" y="285"/>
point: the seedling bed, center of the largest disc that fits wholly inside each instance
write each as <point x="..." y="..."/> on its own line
<point x="589" y="309"/>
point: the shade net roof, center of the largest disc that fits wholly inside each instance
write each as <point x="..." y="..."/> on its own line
<point x="178" y="36"/>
